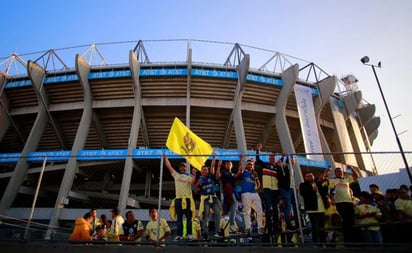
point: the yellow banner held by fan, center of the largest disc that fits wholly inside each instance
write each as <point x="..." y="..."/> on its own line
<point x="183" y="141"/>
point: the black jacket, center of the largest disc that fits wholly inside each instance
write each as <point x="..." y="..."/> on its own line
<point x="284" y="176"/>
<point x="309" y="195"/>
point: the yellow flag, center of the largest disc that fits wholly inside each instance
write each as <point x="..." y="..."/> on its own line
<point x="183" y="141"/>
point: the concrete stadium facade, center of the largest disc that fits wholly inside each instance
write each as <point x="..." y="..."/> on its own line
<point x="103" y="128"/>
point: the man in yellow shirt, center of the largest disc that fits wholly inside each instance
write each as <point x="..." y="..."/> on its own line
<point x="116" y="228"/>
<point x="404" y="205"/>
<point x="156" y="232"/>
<point x="368" y="213"/>
<point x="184" y="203"/>
<point x="343" y="199"/>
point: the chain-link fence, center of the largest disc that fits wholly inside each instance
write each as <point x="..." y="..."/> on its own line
<point x="99" y="183"/>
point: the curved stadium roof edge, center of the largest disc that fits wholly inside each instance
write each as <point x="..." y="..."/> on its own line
<point x="169" y="52"/>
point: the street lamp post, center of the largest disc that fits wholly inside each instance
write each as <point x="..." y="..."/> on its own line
<point x="365" y="61"/>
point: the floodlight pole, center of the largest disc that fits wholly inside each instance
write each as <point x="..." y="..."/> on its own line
<point x="390" y="117"/>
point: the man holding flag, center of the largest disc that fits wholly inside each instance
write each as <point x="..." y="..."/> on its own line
<point x="183" y="141"/>
<point x="183" y="203"/>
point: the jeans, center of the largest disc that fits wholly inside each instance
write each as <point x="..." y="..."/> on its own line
<point x="179" y="213"/>
<point x="374" y="237"/>
<point x="271" y="200"/>
<point x="216" y="215"/>
<point x="232" y="211"/>
<point x="289" y="205"/>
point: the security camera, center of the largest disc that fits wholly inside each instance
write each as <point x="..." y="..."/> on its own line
<point x="364" y="59"/>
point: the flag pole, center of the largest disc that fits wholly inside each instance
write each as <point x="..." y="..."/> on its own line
<point x="159" y="204"/>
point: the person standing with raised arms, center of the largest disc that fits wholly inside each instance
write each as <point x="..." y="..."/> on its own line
<point x="208" y="198"/>
<point x="270" y="190"/>
<point x="184" y="203"/>
<point x="228" y="183"/>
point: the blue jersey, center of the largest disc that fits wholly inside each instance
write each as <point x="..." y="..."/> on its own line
<point x="207" y="185"/>
<point x="248" y="182"/>
<point x="132" y="229"/>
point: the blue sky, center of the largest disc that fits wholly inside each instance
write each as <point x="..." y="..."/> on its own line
<point x="333" y="34"/>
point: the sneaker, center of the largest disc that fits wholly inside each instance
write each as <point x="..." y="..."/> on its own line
<point x="233" y="229"/>
<point x="216" y="235"/>
<point x="178" y="238"/>
<point x="189" y="237"/>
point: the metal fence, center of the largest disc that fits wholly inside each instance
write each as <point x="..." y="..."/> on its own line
<point x="97" y="185"/>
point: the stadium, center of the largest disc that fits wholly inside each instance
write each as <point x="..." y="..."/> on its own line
<point x="78" y="131"/>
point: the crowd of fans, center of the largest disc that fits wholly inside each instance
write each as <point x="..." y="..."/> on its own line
<point x="338" y="212"/>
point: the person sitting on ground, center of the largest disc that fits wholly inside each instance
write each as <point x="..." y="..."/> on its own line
<point x="82" y="228"/>
<point x="116" y="228"/>
<point x="105" y="221"/>
<point x="132" y="228"/>
<point x="155" y="232"/>
<point x="95" y="220"/>
<point x="100" y="234"/>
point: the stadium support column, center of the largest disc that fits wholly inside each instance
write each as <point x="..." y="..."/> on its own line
<point x="341" y="138"/>
<point x="242" y="71"/>
<point x="289" y="77"/>
<point x="36" y="75"/>
<point x="83" y="70"/>
<point x="326" y="88"/>
<point x="366" y="118"/>
<point x="350" y="103"/>
<point x="134" y="131"/>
